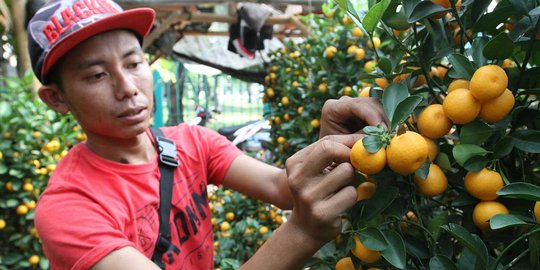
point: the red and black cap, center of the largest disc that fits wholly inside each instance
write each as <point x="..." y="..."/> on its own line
<point x="61" y="25"/>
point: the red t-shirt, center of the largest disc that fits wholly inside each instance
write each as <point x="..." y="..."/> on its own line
<point x="93" y="206"/>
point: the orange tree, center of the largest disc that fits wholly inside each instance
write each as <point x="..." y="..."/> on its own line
<point x="459" y="183"/>
<point x="241" y="225"/>
<point x="32" y="140"/>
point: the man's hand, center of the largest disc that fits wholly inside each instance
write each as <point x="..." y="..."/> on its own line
<point x="321" y="195"/>
<point x="349" y="115"/>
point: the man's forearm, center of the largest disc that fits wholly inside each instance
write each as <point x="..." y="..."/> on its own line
<point x="288" y="248"/>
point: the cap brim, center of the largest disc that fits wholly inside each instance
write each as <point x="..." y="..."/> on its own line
<point x="139" y="20"/>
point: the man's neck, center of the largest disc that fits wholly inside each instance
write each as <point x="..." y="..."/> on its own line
<point x="138" y="150"/>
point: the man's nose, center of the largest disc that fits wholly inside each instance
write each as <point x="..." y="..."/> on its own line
<point x="125" y="86"/>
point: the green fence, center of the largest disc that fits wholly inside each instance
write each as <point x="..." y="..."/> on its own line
<point x="230" y="101"/>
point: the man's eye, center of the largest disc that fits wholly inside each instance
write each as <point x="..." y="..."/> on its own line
<point x="97" y="76"/>
<point x="134" y="65"/>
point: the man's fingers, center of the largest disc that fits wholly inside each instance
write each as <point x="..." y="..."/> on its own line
<point x="340" y="177"/>
<point x="341" y="201"/>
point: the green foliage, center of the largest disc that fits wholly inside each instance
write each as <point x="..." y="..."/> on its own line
<point x="33" y="139"/>
<point x="421" y="53"/>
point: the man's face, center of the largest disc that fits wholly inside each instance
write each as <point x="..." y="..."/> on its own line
<point x="107" y="85"/>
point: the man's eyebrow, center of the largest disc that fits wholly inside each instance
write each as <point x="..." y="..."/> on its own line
<point x="94" y="62"/>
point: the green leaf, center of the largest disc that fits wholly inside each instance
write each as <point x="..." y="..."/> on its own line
<point x="404" y="109"/>
<point x="475" y="163"/>
<point x="423" y="171"/>
<point x="503" y="147"/>
<point x="476" y="132"/>
<point x="385" y="65"/>
<point x="472" y="242"/>
<point x="444" y="162"/>
<point x="373" y="239"/>
<point x="488" y="22"/>
<point x="397" y="20"/>
<point x="435" y="223"/>
<point x="462" y="65"/>
<point x="500" y="221"/>
<point x="5" y="109"/>
<point x="535" y="11"/>
<point x="372" y="143"/>
<point x="395" y="253"/>
<point x="378" y="203"/>
<point x="499" y="48"/>
<point x="12" y="203"/>
<point x="392" y="96"/>
<point x="423" y="10"/>
<point x="441" y="262"/>
<point x="463" y="152"/>
<point x="477" y="50"/>
<point x="527" y="140"/>
<point x="478" y="8"/>
<point x="374" y="15"/>
<point x="408" y="7"/>
<point x="520" y="190"/>
<point x="416" y="247"/>
<point x="534" y="250"/>
<point x="372" y="130"/>
<point x="3" y="168"/>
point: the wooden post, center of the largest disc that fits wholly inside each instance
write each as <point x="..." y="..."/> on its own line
<point x="18" y="16"/>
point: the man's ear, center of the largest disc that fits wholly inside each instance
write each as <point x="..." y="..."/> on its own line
<point x="53" y="96"/>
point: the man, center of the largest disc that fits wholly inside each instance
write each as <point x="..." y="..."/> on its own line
<point x="100" y="208"/>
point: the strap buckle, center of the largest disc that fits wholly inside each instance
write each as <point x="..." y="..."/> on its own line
<point x="167" y="151"/>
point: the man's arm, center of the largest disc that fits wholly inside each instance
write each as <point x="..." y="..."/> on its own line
<point x="126" y="258"/>
<point x="317" y="182"/>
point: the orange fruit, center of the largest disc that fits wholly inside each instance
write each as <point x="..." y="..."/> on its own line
<point x="420" y="80"/>
<point x="364" y="92"/>
<point x="229" y="216"/>
<point x="352" y="49"/>
<point x="537" y="211"/>
<point x="446" y="4"/>
<point x="270" y="92"/>
<point x="376" y="41"/>
<point x="224" y="226"/>
<point x="434" y="184"/>
<point x="33" y="260"/>
<point x="461" y="106"/>
<point x="347" y="90"/>
<point x="281" y="140"/>
<point x="441" y="71"/>
<point x="285" y="101"/>
<point x="263" y="230"/>
<point x="366" y="162"/>
<point x="323" y="87"/>
<point x="381" y="82"/>
<point x="485" y="210"/>
<point x="483" y="184"/>
<point x="406" y="152"/>
<point x="433" y="122"/>
<point x="433" y="150"/>
<point x="508" y="63"/>
<point x="2" y="224"/>
<point x="459" y="83"/>
<point x="400" y="77"/>
<point x="360" y="54"/>
<point x="488" y="82"/>
<point x="357" y="32"/>
<point x="498" y="108"/>
<point x="347" y="20"/>
<point x="22" y="210"/>
<point x="364" y="254"/>
<point x="345" y="263"/>
<point x="365" y="191"/>
<point x="370" y="66"/>
<point x="330" y="52"/>
<point x="315" y="123"/>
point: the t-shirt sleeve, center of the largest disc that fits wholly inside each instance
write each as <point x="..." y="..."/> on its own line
<point x="221" y="153"/>
<point x="76" y="233"/>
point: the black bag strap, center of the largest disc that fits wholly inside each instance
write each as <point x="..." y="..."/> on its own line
<point x="168" y="162"/>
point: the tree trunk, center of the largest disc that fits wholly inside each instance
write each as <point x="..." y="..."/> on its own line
<point x="18" y="16"/>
